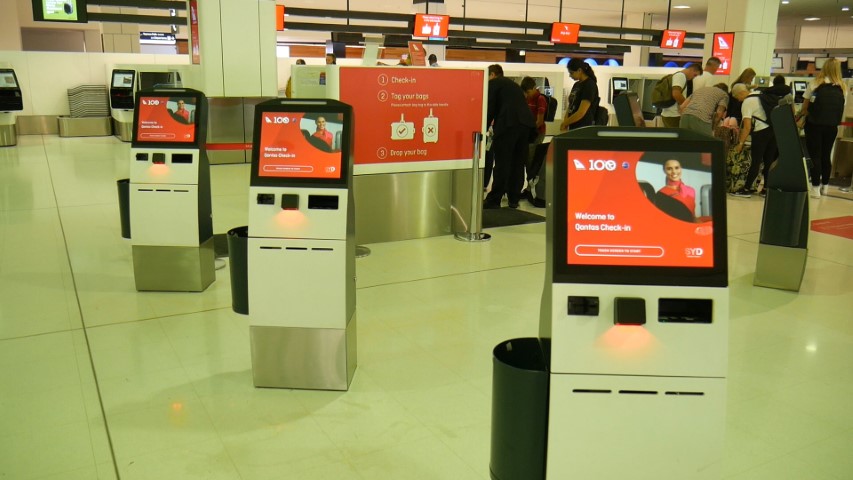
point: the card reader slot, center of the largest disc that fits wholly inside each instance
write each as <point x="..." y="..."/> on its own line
<point x="182" y="158"/>
<point x="323" y="202"/>
<point x="686" y="394"/>
<point x="270" y="248"/>
<point x="163" y="190"/>
<point x="146" y="189"/>
<point x="297" y="248"/>
<point x="637" y="392"/>
<point x="323" y="249"/>
<point x="182" y="191"/>
<point x="685" y="310"/>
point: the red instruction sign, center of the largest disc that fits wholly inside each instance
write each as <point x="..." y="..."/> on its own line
<point x="839" y="226"/>
<point x="413" y="114"/>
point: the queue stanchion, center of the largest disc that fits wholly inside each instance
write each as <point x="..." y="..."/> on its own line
<point x="474" y="232"/>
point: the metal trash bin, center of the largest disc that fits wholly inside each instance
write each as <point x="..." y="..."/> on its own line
<point x="238" y="251"/>
<point x="519" y="411"/>
<point x="124" y="206"/>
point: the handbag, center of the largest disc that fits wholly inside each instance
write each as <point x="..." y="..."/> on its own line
<point x="737" y="168"/>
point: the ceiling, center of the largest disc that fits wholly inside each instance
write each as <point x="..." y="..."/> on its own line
<point x="598" y="12"/>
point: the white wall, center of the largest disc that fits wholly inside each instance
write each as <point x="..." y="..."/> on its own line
<point x="45" y="77"/>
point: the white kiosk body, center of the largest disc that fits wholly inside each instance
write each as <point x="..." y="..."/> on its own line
<point x="11" y="101"/>
<point x="635" y="309"/>
<point x="170" y="210"/>
<point x="301" y="246"/>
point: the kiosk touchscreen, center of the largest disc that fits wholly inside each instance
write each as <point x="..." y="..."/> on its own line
<point x="301" y="246"/>
<point x="618" y="86"/>
<point x="121" y="89"/>
<point x="635" y="306"/>
<point x="170" y="210"/>
<point x="799" y="90"/>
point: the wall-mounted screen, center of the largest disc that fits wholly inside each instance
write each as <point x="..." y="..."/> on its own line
<point x="819" y="61"/>
<point x="432" y="26"/>
<point x="565" y="32"/>
<point x="799" y="90"/>
<point x="73" y="11"/>
<point x="123" y="78"/>
<point x="8" y="79"/>
<point x="166" y="119"/>
<point x="673" y="39"/>
<point x="723" y="48"/>
<point x="300" y="145"/>
<point x="776" y="62"/>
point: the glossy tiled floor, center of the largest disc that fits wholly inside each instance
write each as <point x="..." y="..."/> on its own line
<point x="99" y="381"/>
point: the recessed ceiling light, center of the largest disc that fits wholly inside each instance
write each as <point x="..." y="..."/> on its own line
<point x="681" y="6"/>
<point x="785" y="2"/>
<point x="845" y="9"/>
<point x="811" y="19"/>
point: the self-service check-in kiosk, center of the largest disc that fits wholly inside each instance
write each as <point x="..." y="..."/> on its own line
<point x="121" y="102"/>
<point x="634" y="319"/>
<point x="170" y="210"/>
<point x="10" y="101"/>
<point x="301" y="246"/>
<point x="799" y="91"/>
<point x="618" y="86"/>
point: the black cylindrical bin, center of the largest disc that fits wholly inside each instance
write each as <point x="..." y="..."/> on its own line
<point x="238" y="251"/>
<point x="519" y="411"/>
<point x="124" y="206"/>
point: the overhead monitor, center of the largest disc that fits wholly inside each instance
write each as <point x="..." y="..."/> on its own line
<point x="167" y="119"/>
<point x="640" y="207"/>
<point x="673" y="39"/>
<point x="123" y="78"/>
<point x="301" y="142"/>
<point x="8" y="80"/>
<point x="819" y="61"/>
<point x="565" y="32"/>
<point x="431" y="26"/>
<point x="279" y="18"/>
<point x="776" y="63"/>
<point x="71" y="11"/>
<point x="723" y="48"/>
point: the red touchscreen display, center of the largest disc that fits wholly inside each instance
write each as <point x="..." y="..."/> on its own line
<point x="166" y="120"/>
<point x="639" y="209"/>
<point x="300" y="145"/>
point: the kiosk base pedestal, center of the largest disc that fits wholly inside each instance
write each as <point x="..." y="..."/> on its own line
<point x="8" y="135"/>
<point x="780" y="267"/>
<point x="174" y="269"/>
<point x="304" y="358"/>
<point x="123" y="130"/>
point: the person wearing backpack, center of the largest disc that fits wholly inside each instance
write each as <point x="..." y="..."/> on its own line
<point x="671" y="91"/>
<point x="756" y="124"/>
<point x="823" y="107"/>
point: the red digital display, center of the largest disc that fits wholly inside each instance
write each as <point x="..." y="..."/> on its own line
<point x="639" y="209"/>
<point x="673" y="39"/>
<point x="166" y="120"/>
<point x="565" y="32"/>
<point x="433" y="26"/>
<point x="300" y="145"/>
<point x="723" y="48"/>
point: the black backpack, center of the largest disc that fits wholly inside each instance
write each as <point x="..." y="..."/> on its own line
<point x="768" y="103"/>
<point x="551" y="110"/>
<point x="827" y="105"/>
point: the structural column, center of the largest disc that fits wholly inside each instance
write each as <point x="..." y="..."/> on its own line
<point x="236" y="50"/>
<point x="754" y="25"/>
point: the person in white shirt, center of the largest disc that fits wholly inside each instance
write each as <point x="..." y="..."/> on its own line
<point x="707" y="77"/>
<point x="755" y="125"/>
<point x="671" y="116"/>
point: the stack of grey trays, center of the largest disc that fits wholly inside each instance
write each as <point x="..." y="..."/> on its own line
<point x="89" y="101"/>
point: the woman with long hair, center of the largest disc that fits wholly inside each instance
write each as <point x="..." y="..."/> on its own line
<point x="823" y="108"/>
<point x="583" y="99"/>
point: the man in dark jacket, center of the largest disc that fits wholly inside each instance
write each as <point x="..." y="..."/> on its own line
<point x="513" y="124"/>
